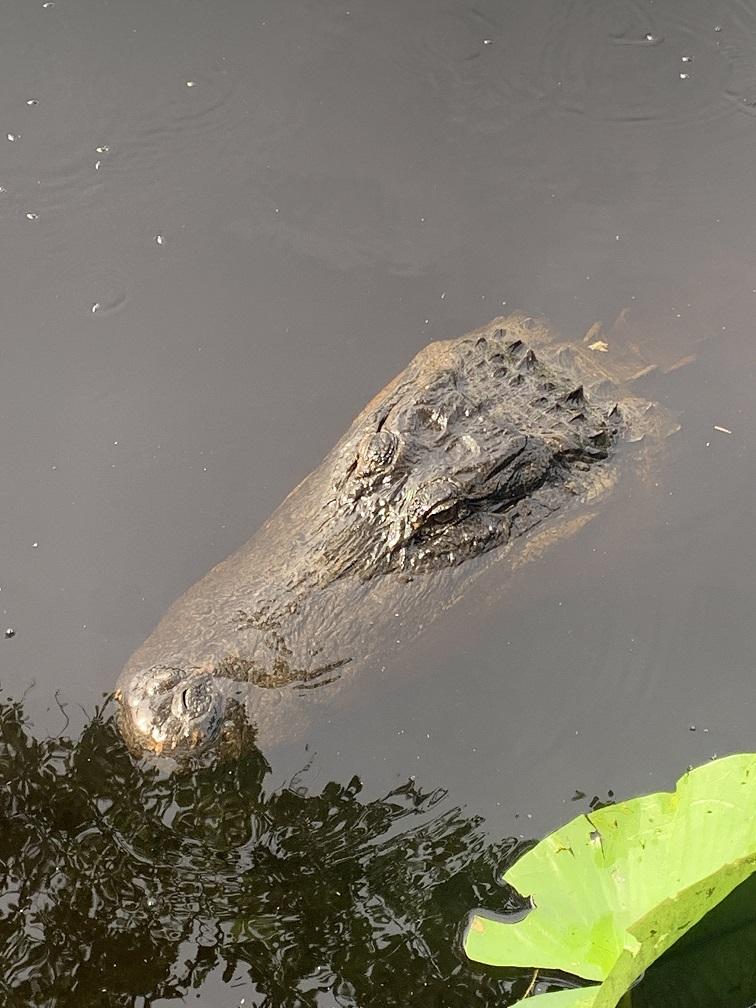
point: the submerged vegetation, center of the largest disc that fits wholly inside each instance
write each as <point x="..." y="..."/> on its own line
<point x="615" y="889"/>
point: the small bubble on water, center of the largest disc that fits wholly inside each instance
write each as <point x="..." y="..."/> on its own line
<point x="684" y="76"/>
<point x="13" y="137"/>
<point x="35" y="545"/>
<point x="191" y="83"/>
<point x="487" y="41"/>
<point x="686" y="59"/>
<point x="32" y="101"/>
<point x="159" y="239"/>
<point x="97" y="165"/>
<point x="718" y="27"/>
<point x="103" y="149"/>
<point x="31" y="216"/>
<point x="48" y="3"/>
<point x="96" y="307"/>
<point x="9" y="632"/>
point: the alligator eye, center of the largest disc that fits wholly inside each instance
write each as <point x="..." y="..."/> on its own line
<point x="436" y="503"/>
<point x="376" y="452"/>
<point x="444" y="515"/>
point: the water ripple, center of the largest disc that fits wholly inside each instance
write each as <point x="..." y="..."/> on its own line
<point x="619" y="61"/>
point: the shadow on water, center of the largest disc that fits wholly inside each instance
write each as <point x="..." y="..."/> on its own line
<point x="126" y="885"/>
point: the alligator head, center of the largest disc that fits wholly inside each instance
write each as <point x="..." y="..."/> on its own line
<point x="473" y="444"/>
<point x="435" y="473"/>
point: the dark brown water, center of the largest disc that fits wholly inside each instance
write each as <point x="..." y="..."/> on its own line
<point x="223" y="228"/>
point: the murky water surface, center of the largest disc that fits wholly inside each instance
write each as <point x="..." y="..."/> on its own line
<point x="223" y="228"/>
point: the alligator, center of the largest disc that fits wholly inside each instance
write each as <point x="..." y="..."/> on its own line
<point x="479" y="446"/>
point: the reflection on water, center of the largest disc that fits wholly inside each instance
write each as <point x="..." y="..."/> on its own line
<point x="121" y="885"/>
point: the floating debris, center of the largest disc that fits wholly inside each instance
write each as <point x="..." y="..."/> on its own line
<point x="722" y="430"/>
<point x="600" y="346"/>
<point x="9" y="632"/>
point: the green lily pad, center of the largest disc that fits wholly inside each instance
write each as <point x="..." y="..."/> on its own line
<point x="613" y="890"/>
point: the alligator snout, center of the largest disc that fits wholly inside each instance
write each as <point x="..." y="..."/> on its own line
<point x="170" y="711"/>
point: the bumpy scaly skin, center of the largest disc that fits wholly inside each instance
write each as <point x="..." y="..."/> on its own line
<point x="476" y="443"/>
